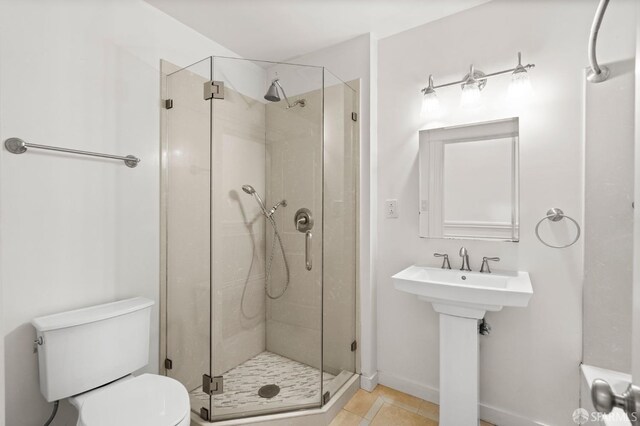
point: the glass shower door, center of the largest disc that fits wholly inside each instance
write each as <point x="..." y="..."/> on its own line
<point x="340" y="231"/>
<point x="186" y="236"/>
<point x="267" y="274"/>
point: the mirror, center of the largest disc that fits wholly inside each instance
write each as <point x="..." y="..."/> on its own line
<point x="469" y="181"/>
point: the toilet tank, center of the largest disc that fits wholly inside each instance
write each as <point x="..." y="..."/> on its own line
<point x="86" y="348"/>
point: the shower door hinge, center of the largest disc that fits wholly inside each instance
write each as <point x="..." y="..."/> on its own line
<point x="213" y="90"/>
<point x="212" y="385"/>
<point x="354" y="346"/>
<point x="326" y="397"/>
<point x="168" y="364"/>
<point x="354" y="116"/>
<point x="168" y="103"/>
<point x="204" y="413"/>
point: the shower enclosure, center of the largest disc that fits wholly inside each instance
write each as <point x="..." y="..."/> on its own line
<point x="259" y="235"/>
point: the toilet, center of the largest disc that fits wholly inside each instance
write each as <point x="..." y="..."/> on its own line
<point x="88" y="356"/>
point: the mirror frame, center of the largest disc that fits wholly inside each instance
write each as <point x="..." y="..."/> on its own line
<point x="429" y="185"/>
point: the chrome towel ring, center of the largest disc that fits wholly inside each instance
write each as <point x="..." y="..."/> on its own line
<point x="554" y="215"/>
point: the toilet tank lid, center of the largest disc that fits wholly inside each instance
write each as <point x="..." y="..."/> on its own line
<point x="90" y="314"/>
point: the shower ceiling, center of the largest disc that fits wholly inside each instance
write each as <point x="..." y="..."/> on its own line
<point x="295" y="27"/>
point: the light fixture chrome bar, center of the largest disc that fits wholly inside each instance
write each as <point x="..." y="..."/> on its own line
<point x="18" y="146"/>
<point x="597" y="73"/>
<point x="510" y="70"/>
<point x="507" y="71"/>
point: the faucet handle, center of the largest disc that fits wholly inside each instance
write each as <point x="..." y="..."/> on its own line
<point x="485" y="264"/>
<point x="445" y="260"/>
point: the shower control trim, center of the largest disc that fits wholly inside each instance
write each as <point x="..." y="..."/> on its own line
<point x="303" y="220"/>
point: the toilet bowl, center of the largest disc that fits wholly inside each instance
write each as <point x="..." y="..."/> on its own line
<point x="145" y="400"/>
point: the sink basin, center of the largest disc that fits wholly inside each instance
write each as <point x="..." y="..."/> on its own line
<point x="462" y="293"/>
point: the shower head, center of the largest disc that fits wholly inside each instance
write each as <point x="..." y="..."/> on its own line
<point x="272" y="94"/>
<point x="251" y="191"/>
<point x="248" y="189"/>
<point x="274" y="91"/>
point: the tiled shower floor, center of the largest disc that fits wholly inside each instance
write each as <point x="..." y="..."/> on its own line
<point x="299" y="384"/>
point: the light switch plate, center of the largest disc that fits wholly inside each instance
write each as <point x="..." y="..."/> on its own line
<point x="391" y="209"/>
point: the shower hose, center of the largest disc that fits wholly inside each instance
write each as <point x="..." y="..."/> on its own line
<point x="276" y="236"/>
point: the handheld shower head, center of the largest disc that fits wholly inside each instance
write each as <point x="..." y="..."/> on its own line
<point x="251" y="191"/>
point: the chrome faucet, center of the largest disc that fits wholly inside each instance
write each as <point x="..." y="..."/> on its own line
<point x="465" y="259"/>
<point x="485" y="264"/>
<point x="445" y="260"/>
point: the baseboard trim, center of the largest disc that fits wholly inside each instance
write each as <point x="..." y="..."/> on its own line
<point x="491" y="414"/>
<point x="369" y="383"/>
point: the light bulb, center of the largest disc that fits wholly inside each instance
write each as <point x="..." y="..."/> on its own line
<point x="470" y="95"/>
<point x="430" y="102"/>
<point x="430" y="105"/>
<point x="520" y="86"/>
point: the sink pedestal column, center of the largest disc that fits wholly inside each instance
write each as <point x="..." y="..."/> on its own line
<point x="459" y="352"/>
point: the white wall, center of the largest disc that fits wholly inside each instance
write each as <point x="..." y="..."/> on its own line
<point x="609" y="109"/>
<point x="78" y="231"/>
<point x="529" y="364"/>
<point x="351" y="60"/>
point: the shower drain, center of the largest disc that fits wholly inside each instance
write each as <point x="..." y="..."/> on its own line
<point x="269" y="391"/>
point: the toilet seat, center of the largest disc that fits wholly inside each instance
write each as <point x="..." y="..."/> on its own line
<point x="145" y="400"/>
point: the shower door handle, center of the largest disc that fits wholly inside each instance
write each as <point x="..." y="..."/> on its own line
<point x="307" y="250"/>
<point x="304" y="223"/>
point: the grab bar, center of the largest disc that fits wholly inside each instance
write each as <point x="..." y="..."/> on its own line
<point x="18" y="146"/>
<point x="307" y="251"/>
<point x="597" y="73"/>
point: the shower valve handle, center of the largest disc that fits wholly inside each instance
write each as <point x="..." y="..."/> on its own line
<point x="303" y="220"/>
<point x="307" y="250"/>
<point x="304" y="223"/>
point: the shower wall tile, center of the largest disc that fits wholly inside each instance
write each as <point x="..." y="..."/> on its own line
<point x="304" y="343"/>
<point x="294" y="173"/>
<point x="242" y="328"/>
<point x="238" y="229"/>
<point x="295" y="314"/>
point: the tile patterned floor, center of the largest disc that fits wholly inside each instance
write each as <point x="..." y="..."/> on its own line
<point x="388" y="407"/>
<point x="299" y="383"/>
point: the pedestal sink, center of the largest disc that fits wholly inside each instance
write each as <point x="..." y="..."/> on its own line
<point x="462" y="298"/>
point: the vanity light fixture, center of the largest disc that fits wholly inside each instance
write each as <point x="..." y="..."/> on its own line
<point x="474" y="82"/>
